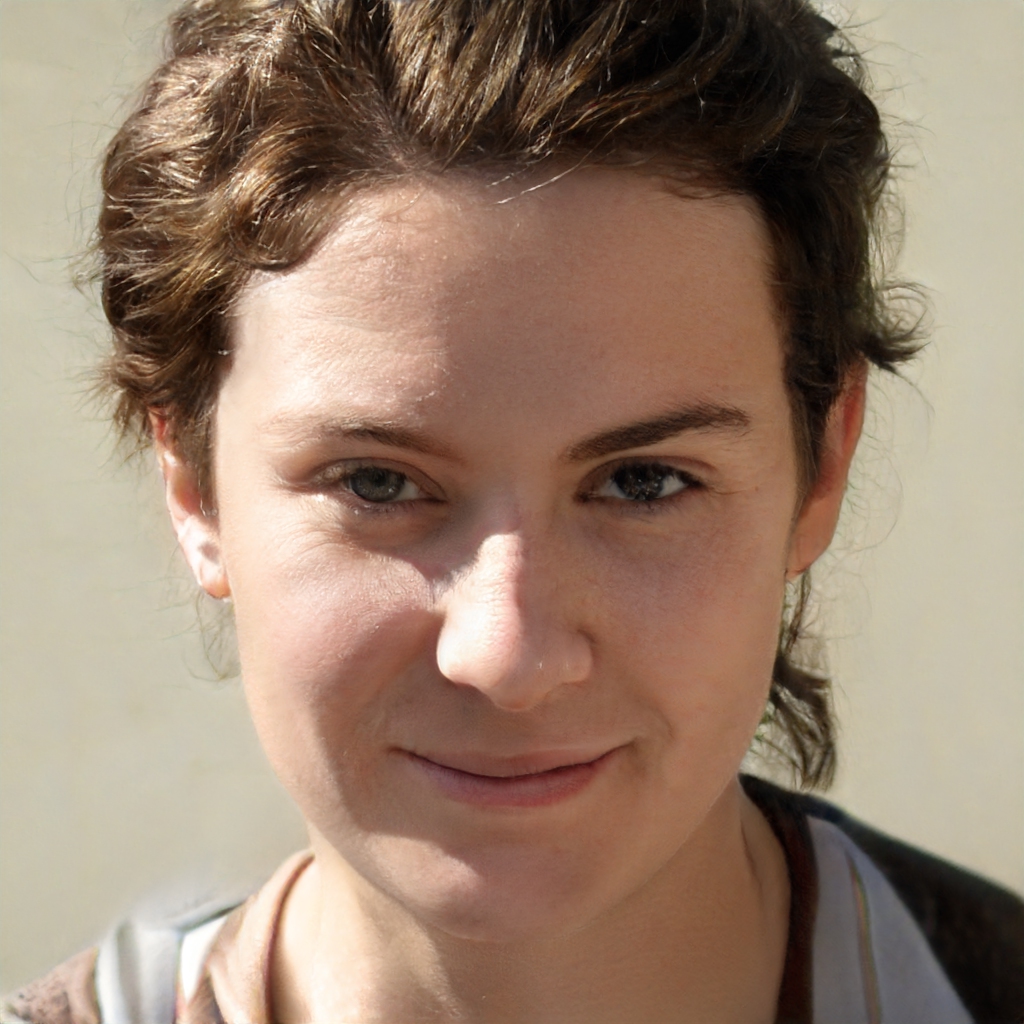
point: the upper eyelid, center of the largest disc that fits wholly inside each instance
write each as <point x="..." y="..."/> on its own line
<point x="347" y="468"/>
<point x="339" y="470"/>
<point x="610" y="468"/>
<point x="336" y="472"/>
<point x="594" y="480"/>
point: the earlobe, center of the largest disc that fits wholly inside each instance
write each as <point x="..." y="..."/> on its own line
<point x="196" y="529"/>
<point x="819" y="514"/>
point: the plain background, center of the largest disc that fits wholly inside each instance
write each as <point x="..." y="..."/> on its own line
<point x="128" y="774"/>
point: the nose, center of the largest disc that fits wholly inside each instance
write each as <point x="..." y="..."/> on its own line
<point x="506" y="632"/>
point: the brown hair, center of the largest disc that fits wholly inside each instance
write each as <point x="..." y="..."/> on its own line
<point x="267" y="113"/>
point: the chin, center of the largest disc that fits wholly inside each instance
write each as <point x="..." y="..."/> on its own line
<point x="502" y="894"/>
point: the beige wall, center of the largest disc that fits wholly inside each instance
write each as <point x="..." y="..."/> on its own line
<point x="931" y="656"/>
<point x="126" y="772"/>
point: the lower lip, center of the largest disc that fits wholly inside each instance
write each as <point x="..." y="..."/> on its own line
<point x="537" y="790"/>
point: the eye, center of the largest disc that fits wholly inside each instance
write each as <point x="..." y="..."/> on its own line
<point x="644" y="482"/>
<point x="380" y="485"/>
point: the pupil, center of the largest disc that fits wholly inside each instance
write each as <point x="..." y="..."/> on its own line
<point x="640" y="483"/>
<point x="376" y="484"/>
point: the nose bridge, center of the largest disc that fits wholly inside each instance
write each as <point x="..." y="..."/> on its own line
<point x="497" y="574"/>
<point x="504" y="632"/>
<point x="488" y="593"/>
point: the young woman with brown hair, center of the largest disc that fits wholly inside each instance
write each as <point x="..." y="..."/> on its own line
<point x="505" y="362"/>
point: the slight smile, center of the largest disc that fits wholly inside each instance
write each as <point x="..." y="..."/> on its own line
<point x="536" y="780"/>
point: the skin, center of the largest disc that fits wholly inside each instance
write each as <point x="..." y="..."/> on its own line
<point x="512" y="608"/>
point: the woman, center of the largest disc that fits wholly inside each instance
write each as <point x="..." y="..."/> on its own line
<point x="505" y="364"/>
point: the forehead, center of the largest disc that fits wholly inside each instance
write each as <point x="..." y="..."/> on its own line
<point x="599" y="273"/>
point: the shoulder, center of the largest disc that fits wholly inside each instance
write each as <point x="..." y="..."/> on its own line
<point x="141" y="972"/>
<point x="154" y="969"/>
<point x="137" y="973"/>
<point x="974" y="927"/>
<point x="67" y="995"/>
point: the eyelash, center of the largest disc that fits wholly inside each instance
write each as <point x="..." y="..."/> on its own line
<point x="649" y="506"/>
<point x="340" y="478"/>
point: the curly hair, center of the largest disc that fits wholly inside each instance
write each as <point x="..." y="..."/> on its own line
<point x="266" y="114"/>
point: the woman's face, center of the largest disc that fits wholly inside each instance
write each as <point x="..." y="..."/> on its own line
<point x="507" y="495"/>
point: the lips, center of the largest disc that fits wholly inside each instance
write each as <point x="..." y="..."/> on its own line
<point x="532" y="780"/>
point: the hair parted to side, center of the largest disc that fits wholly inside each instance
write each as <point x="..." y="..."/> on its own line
<point x="267" y="114"/>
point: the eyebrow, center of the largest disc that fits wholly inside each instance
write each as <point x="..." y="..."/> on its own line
<point x="703" y="416"/>
<point x="382" y="433"/>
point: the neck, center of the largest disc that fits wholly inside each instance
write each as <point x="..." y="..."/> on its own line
<point x="705" y="939"/>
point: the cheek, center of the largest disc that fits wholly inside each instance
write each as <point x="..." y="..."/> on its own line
<point x="322" y="632"/>
<point x="697" y="629"/>
<point x="718" y="574"/>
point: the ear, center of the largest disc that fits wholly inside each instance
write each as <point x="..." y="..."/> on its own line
<point x="196" y="529"/>
<point x="816" y="522"/>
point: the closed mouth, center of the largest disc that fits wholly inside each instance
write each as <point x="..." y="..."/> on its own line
<point x="529" y="781"/>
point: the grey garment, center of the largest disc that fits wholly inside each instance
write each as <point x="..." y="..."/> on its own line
<point x="140" y="965"/>
<point x="136" y="975"/>
<point x="871" y="964"/>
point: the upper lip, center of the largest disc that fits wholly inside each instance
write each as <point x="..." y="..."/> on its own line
<point x="532" y="763"/>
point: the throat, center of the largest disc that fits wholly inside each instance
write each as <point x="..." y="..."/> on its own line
<point x="704" y="940"/>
